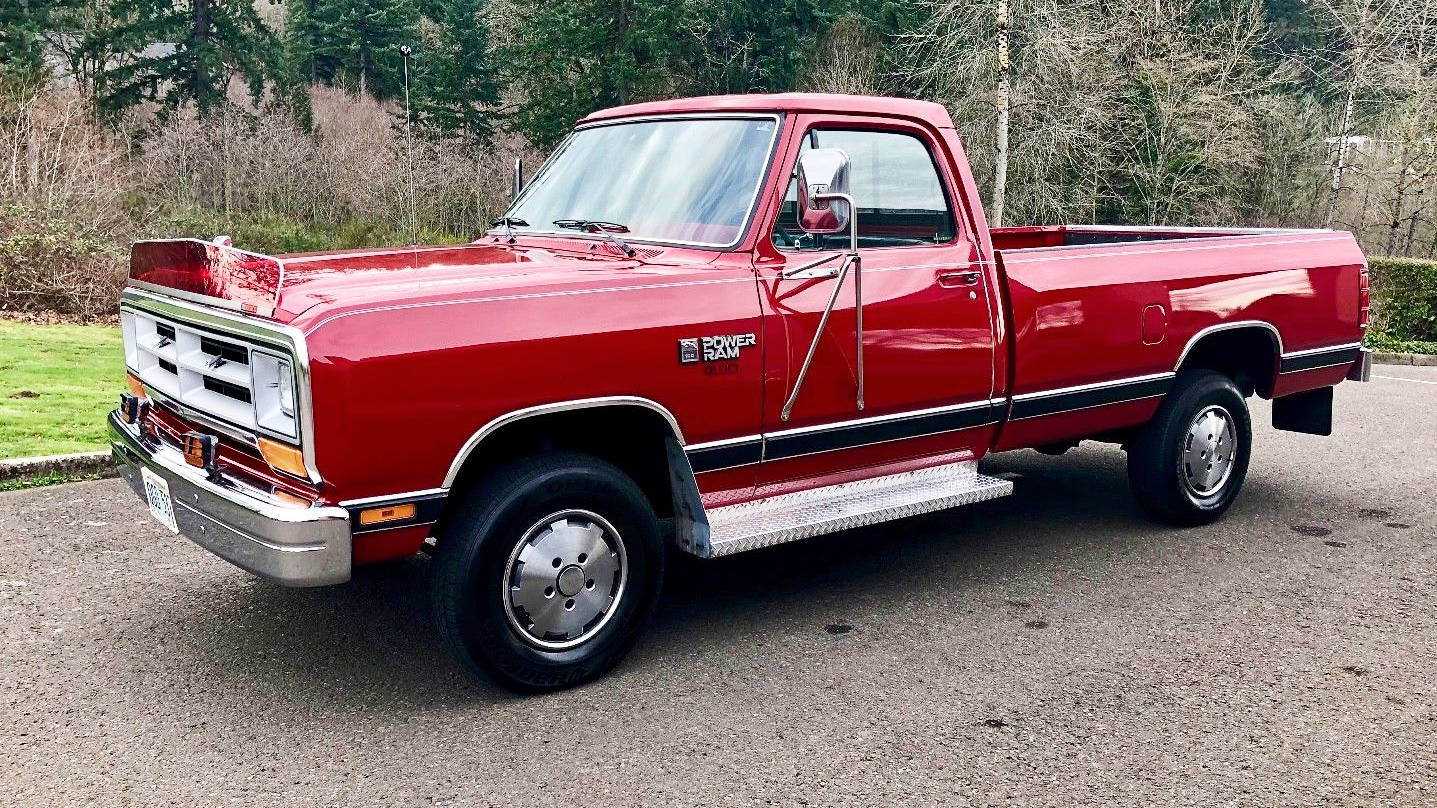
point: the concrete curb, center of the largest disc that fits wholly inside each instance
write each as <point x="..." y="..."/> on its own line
<point x="1421" y="360"/>
<point x="82" y="464"/>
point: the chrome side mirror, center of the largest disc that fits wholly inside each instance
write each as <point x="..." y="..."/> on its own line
<point x="518" y="178"/>
<point x="823" y="176"/>
<point x="824" y="207"/>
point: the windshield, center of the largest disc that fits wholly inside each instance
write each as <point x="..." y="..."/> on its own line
<point x="690" y="181"/>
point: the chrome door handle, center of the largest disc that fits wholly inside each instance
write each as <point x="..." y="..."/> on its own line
<point x="966" y="277"/>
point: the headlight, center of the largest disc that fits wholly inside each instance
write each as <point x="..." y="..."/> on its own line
<point x="127" y="332"/>
<point x="274" y="394"/>
<point x="286" y="389"/>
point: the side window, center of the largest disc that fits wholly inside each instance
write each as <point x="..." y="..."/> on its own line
<point x="899" y="192"/>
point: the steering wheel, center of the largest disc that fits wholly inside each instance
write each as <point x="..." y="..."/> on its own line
<point x="784" y="236"/>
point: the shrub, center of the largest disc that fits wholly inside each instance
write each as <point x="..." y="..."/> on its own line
<point x="62" y="183"/>
<point x="1404" y="299"/>
<point x="1382" y="341"/>
<point x="350" y="174"/>
<point x="51" y="263"/>
<point x="268" y="233"/>
<point x="276" y="234"/>
<point x="54" y="156"/>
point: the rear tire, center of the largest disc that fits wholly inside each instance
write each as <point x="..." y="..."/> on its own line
<point x="548" y="571"/>
<point x="1189" y="462"/>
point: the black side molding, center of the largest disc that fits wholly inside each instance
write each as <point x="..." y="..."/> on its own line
<point x="726" y="456"/>
<point x="1321" y="359"/>
<point x="1036" y="405"/>
<point x="863" y="434"/>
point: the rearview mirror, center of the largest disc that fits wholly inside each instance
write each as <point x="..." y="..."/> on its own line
<point x="822" y="175"/>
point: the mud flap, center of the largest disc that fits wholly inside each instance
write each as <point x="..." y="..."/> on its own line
<point x="1309" y="412"/>
<point x="691" y="523"/>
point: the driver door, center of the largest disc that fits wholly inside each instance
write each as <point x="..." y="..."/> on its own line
<point x="928" y="338"/>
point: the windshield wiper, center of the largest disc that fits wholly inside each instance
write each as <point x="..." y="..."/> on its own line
<point x="508" y="223"/>
<point x="605" y="229"/>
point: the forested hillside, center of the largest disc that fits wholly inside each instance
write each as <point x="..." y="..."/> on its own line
<point x="284" y="124"/>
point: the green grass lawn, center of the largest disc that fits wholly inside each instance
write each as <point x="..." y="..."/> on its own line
<point x="56" y="384"/>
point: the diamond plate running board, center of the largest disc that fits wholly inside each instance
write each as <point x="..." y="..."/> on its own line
<point x="800" y="515"/>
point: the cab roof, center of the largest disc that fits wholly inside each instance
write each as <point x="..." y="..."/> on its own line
<point x="922" y="111"/>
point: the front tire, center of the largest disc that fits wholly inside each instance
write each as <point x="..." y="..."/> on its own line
<point x="548" y="571"/>
<point x="1189" y="462"/>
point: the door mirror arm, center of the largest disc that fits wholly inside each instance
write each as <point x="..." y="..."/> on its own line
<point x="806" y="270"/>
<point x="852" y="261"/>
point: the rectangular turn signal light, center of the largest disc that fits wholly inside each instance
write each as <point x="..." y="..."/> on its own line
<point x="200" y="451"/>
<point x="283" y="457"/>
<point x="290" y="499"/>
<point x="129" y="408"/>
<point x="389" y="513"/>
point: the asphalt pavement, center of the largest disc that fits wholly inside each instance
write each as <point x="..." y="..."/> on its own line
<point x="1052" y="648"/>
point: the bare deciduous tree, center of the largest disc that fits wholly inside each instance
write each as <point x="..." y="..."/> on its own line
<point x="55" y="157"/>
<point x="1369" y="38"/>
<point x="1188" y="134"/>
<point x="1055" y="82"/>
<point x="848" y="60"/>
<point x="1099" y="110"/>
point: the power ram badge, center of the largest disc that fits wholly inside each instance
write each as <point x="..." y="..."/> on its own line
<point x="713" y="349"/>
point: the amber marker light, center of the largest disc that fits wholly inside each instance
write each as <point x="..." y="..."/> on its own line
<point x="201" y="452"/>
<point x="290" y="499"/>
<point x="129" y="408"/>
<point x="283" y="457"/>
<point x="389" y="513"/>
<point x="195" y="449"/>
<point x="133" y="382"/>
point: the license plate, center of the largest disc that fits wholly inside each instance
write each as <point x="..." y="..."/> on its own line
<point x="157" y="494"/>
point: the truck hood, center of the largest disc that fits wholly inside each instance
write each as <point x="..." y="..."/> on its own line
<point x="286" y="286"/>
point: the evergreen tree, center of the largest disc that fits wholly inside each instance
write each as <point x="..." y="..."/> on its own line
<point x="187" y="52"/>
<point x="353" y="42"/>
<point x="454" y="89"/>
<point x="747" y="46"/>
<point x="569" y="59"/>
<point x="572" y="58"/>
<point x="299" y="39"/>
<point x="22" y="55"/>
<point x="82" y="34"/>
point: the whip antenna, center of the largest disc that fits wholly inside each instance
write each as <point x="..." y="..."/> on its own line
<point x="409" y="138"/>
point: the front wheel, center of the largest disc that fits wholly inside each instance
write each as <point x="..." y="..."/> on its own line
<point x="545" y="576"/>
<point x="1189" y="462"/>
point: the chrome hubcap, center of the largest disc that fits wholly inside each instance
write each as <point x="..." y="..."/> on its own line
<point x="564" y="579"/>
<point x="1209" y="451"/>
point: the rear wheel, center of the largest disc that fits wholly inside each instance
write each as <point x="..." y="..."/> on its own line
<point x="1189" y="462"/>
<point x="546" y="574"/>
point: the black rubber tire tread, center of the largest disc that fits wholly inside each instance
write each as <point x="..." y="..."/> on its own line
<point x="475" y="548"/>
<point x="1153" y="458"/>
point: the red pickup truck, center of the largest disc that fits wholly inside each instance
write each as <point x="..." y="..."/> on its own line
<point x="708" y="326"/>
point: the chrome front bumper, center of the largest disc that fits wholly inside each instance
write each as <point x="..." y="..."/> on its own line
<point x="289" y="545"/>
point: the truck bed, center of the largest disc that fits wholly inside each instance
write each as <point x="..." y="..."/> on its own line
<point x="1031" y="237"/>
<point x="1108" y="306"/>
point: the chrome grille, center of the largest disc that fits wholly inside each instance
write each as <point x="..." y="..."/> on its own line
<point x="207" y="371"/>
